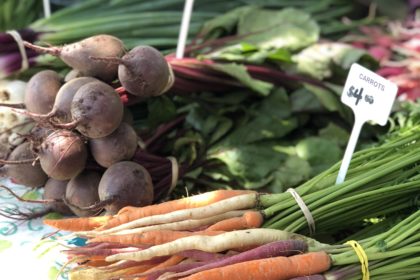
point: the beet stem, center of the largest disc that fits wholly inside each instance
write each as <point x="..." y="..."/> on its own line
<point x="35" y="115"/>
<point x="55" y="51"/>
<point x="22" y="161"/>
<point x="97" y="206"/>
<point x="69" y="125"/>
<point x="13" y="105"/>
<point x="29" y="200"/>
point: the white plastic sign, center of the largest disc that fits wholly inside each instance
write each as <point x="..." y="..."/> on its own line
<point x="371" y="97"/>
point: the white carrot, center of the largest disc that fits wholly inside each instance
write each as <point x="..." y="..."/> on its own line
<point x="245" y="201"/>
<point x="182" y="225"/>
<point x="212" y="244"/>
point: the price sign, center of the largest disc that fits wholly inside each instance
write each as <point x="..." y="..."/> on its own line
<point x="371" y="97"/>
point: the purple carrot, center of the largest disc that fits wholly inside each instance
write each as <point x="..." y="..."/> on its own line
<point x="310" y="277"/>
<point x="198" y="255"/>
<point x="127" y="264"/>
<point x="273" y="249"/>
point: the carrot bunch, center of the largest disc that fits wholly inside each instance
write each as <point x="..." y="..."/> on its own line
<point x="202" y="233"/>
<point x="187" y="237"/>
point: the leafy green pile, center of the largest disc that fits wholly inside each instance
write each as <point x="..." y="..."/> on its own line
<point x="264" y="133"/>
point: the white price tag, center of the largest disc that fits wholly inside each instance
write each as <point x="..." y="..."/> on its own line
<point x="371" y="97"/>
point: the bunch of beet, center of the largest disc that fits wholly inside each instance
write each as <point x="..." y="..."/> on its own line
<point x="82" y="149"/>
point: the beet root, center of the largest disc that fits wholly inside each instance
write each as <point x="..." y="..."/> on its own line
<point x="77" y="55"/>
<point x="125" y="183"/>
<point x="28" y="173"/>
<point x="62" y="103"/>
<point x="82" y="191"/>
<point x="63" y="155"/>
<point x="56" y="190"/>
<point x="118" y="146"/>
<point x="41" y="91"/>
<point x="96" y="110"/>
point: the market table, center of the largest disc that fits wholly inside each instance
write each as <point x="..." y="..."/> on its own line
<point x="19" y="256"/>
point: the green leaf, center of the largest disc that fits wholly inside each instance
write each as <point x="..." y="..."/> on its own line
<point x="53" y="215"/>
<point x="4" y="245"/>
<point x="269" y="35"/>
<point x="319" y="152"/>
<point x="272" y="119"/>
<point x="322" y="60"/>
<point x="289" y="28"/>
<point x="335" y="133"/>
<point x="240" y="73"/>
<point x="293" y="172"/>
<point x="32" y="195"/>
<point x="161" y="109"/>
<point x="224" y="24"/>
<point x="304" y="100"/>
<point x="251" y="163"/>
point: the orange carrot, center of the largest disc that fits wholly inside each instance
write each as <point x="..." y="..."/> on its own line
<point x="251" y="219"/>
<point x="169" y="262"/>
<point x="151" y="237"/>
<point x="77" y="224"/>
<point x="128" y="214"/>
<point x="277" y="268"/>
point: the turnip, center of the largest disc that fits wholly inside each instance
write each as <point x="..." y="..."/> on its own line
<point x="118" y="146"/>
<point x="63" y="155"/>
<point x="62" y="103"/>
<point x="143" y="71"/>
<point x="77" y="55"/>
<point x="82" y="191"/>
<point x="96" y="110"/>
<point x="125" y="183"/>
<point x="41" y="91"/>
<point x="22" y="168"/>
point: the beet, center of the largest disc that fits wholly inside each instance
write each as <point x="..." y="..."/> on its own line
<point x="82" y="191"/>
<point x="118" y="146"/>
<point x="25" y="173"/>
<point x="63" y="155"/>
<point x="41" y="91"/>
<point x="56" y="189"/>
<point x="125" y="183"/>
<point x="143" y="71"/>
<point x="96" y="110"/>
<point x="62" y="103"/>
<point x="77" y="55"/>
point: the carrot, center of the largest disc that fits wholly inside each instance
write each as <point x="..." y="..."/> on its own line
<point x="170" y="262"/>
<point x="77" y="224"/>
<point x="277" y="268"/>
<point x="238" y="202"/>
<point x="128" y="214"/>
<point x="93" y="273"/>
<point x="251" y="219"/>
<point x="274" y="249"/>
<point x="214" y="244"/>
<point x="154" y="237"/>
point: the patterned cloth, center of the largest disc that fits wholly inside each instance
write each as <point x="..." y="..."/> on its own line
<point x="21" y="255"/>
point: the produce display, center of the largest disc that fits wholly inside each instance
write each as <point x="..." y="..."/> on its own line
<point x="218" y="164"/>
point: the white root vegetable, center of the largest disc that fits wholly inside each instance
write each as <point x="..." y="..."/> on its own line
<point x="12" y="124"/>
<point x="212" y="244"/>
<point x="180" y="225"/>
<point x="245" y="201"/>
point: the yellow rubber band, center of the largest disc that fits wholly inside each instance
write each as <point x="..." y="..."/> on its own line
<point x="362" y="258"/>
